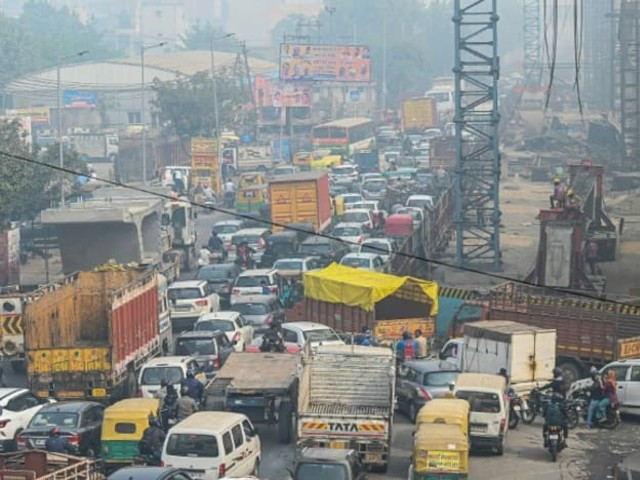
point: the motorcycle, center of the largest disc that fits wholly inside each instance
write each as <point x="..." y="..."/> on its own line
<point x="537" y="405"/>
<point x="517" y="406"/>
<point x="582" y="398"/>
<point x="555" y="441"/>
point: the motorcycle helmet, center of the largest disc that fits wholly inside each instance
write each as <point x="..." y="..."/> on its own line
<point x="275" y="324"/>
<point x="593" y="371"/>
<point x="153" y="421"/>
<point x="190" y="373"/>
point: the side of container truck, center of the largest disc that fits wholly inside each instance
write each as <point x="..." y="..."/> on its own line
<point x="301" y="198"/>
<point x="87" y="336"/>
<point x="346" y="401"/>
<point x="418" y="114"/>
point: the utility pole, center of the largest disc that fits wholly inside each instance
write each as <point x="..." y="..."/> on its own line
<point x="143" y="107"/>
<point x="216" y="111"/>
<point x="59" y="59"/>
<point x="384" y="64"/>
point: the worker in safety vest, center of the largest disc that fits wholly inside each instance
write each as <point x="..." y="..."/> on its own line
<point x="558" y="197"/>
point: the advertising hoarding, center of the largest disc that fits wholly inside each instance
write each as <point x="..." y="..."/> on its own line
<point x="79" y="98"/>
<point x="333" y="63"/>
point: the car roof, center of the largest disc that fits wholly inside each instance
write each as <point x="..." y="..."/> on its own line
<point x="348" y="224"/>
<point x="257" y="271"/>
<point x="628" y="361"/>
<point x="288" y="259"/>
<point x="208" y="421"/>
<point x="229" y="222"/>
<point x="420" y="197"/>
<point x="430" y="365"/>
<point x="360" y="210"/>
<point x="222" y="315"/>
<point x="339" y="454"/>
<point x="70" y="406"/>
<point x="141" y="473"/>
<point x="218" y="266"/>
<point x="316" y="239"/>
<point x="252" y="299"/>
<point x="251" y="231"/>
<point x="188" y="284"/>
<point x="305" y="326"/>
<point x="207" y="333"/>
<point x="170" y="361"/>
<point x="378" y="240"/>
<point x="6" y="392"/>
<point x="285" y="233"/>
<point x="361" y="255"/>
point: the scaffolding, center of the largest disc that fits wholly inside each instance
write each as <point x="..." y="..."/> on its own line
<point x="531" y="34"/>
<point x="477" y="212"/>
<point x="628" y="71"/>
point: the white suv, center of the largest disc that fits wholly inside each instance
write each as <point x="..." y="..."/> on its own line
<point x="260" y="281"/>
<point x="17" y="407"/>
<point x="171" y="369"/>
<point x="188" y="300"/>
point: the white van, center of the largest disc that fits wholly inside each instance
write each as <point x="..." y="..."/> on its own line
<point x="489" y="417"/>
<point x="215" y="444"/>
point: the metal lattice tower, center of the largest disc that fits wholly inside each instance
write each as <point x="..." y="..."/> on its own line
<point x="477" y="212"/>
<point x="629" y="81"/>
<point x="532" y="60"/>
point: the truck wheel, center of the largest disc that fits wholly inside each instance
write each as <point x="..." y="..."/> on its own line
<point x="18" y="366"/>
<point x="284" y="422"/>
<point x="570" y="372"/>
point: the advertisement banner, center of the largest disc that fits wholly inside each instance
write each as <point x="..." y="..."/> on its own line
<point x="333" y="63"/>
<point x="291" y="94"/>
<point x="37" y="114"/>
<point x="204" y="146"/>
<point x="79" y="98"/>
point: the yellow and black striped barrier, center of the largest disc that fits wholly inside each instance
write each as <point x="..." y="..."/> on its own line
<point x="461" y="293"/>
<point x="11" y="325"/>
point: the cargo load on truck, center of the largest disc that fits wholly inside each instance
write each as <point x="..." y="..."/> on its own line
<point x="528" y="353"/>
<point x="418" y="114"/>
<point x="351" y="300"/>
<point x="301" y="198"/>
<point x="41" y="465"/>
<point x="346" y="401"/>
<point x="262" y="386"/>
<point x="88" y="335"/>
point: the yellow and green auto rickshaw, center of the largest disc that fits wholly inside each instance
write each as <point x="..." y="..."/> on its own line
<point x="123" y="424"/>
<point x="440" y="452"/>
<point x="451" y="411"/>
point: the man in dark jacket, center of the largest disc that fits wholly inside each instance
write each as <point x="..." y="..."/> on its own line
<point x="56" y="443"/>
<point x="152" y="439"/>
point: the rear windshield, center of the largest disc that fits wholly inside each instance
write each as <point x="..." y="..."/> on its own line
<point x="250" y="239"/>
<point x="195" y="346"/>
<point x="54" y="419"/>
<point x="440" y="379"/>
<point x="321" y="471"/>
<point x="343" y="170"/>
<point x="250" y="308"/>
<point x="346" y="231"/>
<point x="255" y="281"/>
<point x="315" y="248"/>
<point x="482" y="402"/>
<point x="213" y="274"/>
<point x="225" y="229"/>
<point x="212" y="325"/>
<point x="184" y="293"/>
<point x="155" y="375"/>
<point x="320" y="335"/>
<point x="288" y="265"/>
<point x="352" y="198"/>
<point x="355" y="262"/>
<point x="374" y="186"/>
<point x="192" y="445"/>
<point x="355" y="217"/>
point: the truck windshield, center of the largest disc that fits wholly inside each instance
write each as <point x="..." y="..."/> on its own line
<point x="192" y="445"/>
<point x="483" y="402"/>
<point x="155" y="375"/>
<point x="321" y="471"/>
<point x="195" y="346"/>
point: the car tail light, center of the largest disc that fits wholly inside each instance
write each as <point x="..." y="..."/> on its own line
<point x="202" y="303"/>
<point x="235" y="291"/>
<point x="21" y="441"/>
<point x="74" y="439"/>
<point x="3" y="423"/>
<point x="140" y="393"/>
<point x="273" y="289"/>
<point x="503" y="423"/>
<point x="162" y="463"/>
<point x="216" y="362"/>
<point x="236" y="337"/>
<point x="222" y="469"/>
<point x="424" y="393"/>
<point x="267" y="321"/>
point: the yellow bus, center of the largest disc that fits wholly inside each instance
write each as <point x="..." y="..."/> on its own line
<point x="344" y="136"/>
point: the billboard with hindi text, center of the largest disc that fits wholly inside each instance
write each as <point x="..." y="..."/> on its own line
<point x="332" y="63"/>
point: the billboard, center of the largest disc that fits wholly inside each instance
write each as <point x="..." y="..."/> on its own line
<point x="333" y="63"/>
<point x="291" y="94"/>
<point x="79" y="98"/>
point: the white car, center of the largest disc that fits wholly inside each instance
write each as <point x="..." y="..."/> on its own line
<point x="348" y="198"/>
<point x="260" y="281"/>
<point x="295" y="266"/>
<point x="345" y="174"/>
<point x="351" y="233"/>
<point x="298" y="334"/>
<point x="365" y="177"/>
<point x="236" y="328"/>
<point x="367" y="261"/>
<point x="362" y="216"/>
<point x="17" y="408"/>
<point x="171" y="369"/>
<point x="378" y="246"/>
<point x="226" y="229"/>
<point x="420" y="201"/>
<point x="190" y="299"/>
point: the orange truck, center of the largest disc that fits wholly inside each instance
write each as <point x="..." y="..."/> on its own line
<point x="418" y="114"/>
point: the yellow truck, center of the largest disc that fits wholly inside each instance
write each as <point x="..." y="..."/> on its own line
<point x="418" y="114"/>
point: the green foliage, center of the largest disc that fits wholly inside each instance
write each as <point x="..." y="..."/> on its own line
<point x="199" y="37"/>
<point x="27" y="188"/>
<point x="42" y="32"/>
<point x="187" y="105"/>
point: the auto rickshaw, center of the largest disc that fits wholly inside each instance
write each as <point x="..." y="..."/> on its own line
<point x="302" y="160"/>
<point x="250" y="179"/>
<point x="250" y="199"/>
<point x="440" y="452"/>
<point x="325" y="163"/>
<point x="123" y="424"/>
<point x="278" y="245"/>
<point x="451" y="411"/>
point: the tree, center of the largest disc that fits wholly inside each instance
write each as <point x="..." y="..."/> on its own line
<point x="27" y="188"/>
<point x="187" y="106"/>
<point x="200" y="37"/>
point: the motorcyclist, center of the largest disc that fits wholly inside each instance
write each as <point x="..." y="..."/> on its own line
<point x="152" y="440"/>
<point x="185" y="405"/>
<point x="194" y="387"/>
<point x="204" y="256"/>
<point x="244" y="254"/>
<point x="272" y="340"/>
<point x="555" y="416"/>
<point x="215" y="244"/>
<point x="168" y="407"/>
<point x="56" y="443"/>
<point x="556" y="385"/>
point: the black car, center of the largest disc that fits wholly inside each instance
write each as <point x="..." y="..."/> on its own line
<point x="80" y="422"/>
<point x="418" y="381"/>
<point x="326" y="250"/>
<point x="149" y="473"/>
<point x="278" y="245"/>
<point x="221" y="277"/>
<point x="210" y="349"/>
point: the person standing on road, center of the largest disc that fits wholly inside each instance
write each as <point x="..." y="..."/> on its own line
<point x="422" y="348"/>
<point x="610" y="396"/>
<point x="56" y="443"/>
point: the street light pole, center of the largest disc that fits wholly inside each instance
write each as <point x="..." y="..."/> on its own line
<point x="59" y="105"/>
<point x="384" y="64"/>
<point x="142" y="109"/>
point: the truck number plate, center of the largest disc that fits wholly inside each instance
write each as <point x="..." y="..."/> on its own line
<point x="372" y="457"/>
<point x="338" y="445"/>
<point x="98" y="392"/>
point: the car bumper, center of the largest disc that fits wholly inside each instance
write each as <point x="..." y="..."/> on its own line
<point x="482" y="442"/>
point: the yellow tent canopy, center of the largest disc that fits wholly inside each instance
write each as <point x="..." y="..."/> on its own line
<point x="357" y="287"/>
